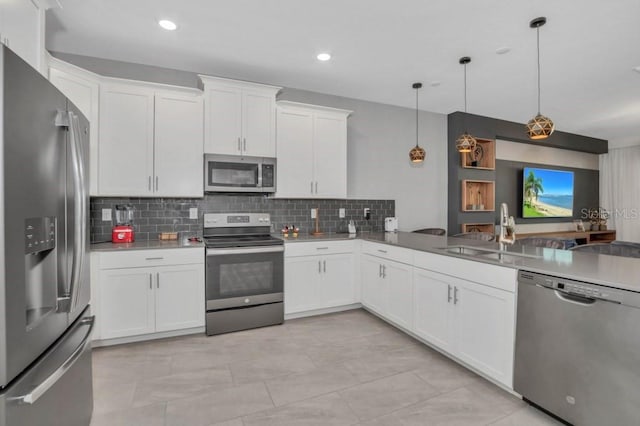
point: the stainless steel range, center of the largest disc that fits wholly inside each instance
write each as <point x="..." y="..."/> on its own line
<point x="245" y="272"/>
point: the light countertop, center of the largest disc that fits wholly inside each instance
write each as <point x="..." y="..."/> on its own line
<point x="613" y="271"/>
<point x="146" y="245"/>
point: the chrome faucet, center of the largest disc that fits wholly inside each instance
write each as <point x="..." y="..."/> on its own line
<point x="507" y="226"/>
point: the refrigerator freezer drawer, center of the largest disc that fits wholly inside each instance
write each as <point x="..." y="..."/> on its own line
<point x="57" y="389"/>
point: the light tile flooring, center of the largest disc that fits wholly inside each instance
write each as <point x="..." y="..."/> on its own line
<point x="348" y="368"/>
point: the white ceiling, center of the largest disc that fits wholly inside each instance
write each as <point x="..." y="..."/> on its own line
<point x="588" y="51"/>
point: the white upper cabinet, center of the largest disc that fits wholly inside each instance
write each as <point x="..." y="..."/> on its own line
<point x="151" y="141"/>
<point x="126" y="140"/>
<point x="83" y="89"/>
<point x="22" y="30"/>
<point x="240" y="117"/>
<point x="179" y="126"/>
<point x="312" y="151"/>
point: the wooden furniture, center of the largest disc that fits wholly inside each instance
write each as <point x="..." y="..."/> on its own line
<point x="478" y="195"/>
<point x="478" y="227"/>
<point x="240" y="117"/>
<point x="482" y="158"/>
<point x="312" y="151"/>
<point x="583" y="237"/>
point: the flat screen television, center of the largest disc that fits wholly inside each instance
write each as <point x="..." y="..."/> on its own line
<point x="547" y="193"/>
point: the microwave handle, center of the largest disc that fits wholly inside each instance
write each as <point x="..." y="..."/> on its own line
<point x="259" y="175"/>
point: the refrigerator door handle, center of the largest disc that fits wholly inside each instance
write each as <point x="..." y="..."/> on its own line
<point x="79" y="244"/>
<point x="43" y="387"/>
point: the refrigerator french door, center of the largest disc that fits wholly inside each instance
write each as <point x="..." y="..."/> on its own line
<point x="44" y="274"/>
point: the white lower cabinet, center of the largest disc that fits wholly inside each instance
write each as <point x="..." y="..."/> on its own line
<point x="148" y="294"/>
<point x="471" y="321"/>
<point x="318" y="281"/>
<point x="387" y="289"/>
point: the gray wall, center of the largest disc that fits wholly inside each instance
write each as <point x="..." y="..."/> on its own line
<point x="379" y="139"/>
<point x="155" y="215"/>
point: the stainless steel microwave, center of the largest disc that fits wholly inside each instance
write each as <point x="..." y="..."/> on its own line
<point x="235" y="173"/>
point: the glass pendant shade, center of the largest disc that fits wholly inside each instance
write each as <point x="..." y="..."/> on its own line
<point x="465" y="143"/>
<point x="540" y="127"/>
<point x="417" y="153"/>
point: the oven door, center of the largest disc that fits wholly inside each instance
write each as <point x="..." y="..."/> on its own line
<point x="244" y="276"/>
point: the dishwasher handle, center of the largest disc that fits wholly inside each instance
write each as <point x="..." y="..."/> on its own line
<point x="575" y="298"/>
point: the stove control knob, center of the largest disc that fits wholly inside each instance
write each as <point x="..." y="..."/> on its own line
<point x="246" y="300"/>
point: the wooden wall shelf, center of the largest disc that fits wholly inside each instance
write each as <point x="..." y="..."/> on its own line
<point x="478" y="195"/>
<point x="478" y="227"/>
<point x="486" y="151"/>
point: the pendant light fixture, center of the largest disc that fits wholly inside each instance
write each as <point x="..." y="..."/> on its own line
<point x="466" y="142"/>
<point x="539" y="127"/>
<point x="417" y="153"/>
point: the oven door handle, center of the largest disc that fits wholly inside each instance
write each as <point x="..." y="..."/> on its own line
<point x="243" y="250"/>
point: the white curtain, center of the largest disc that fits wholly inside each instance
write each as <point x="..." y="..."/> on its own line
<point x="620" y="191"/>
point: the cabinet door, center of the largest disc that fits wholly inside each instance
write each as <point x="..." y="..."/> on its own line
<point x="295" y="154"/>
<point x="126" y="141"/>
<point x="374" y="288"/>
<point x="179" y="297"/>
<point x="337" y="286"/>
<point x="179" y="133"/>
<point x="84" y="92"/>
<point x="258" y="124"/>
<point x="22" y="29"/>
<point x="484" y="337"/>
<point x="301" y="275"/>
<point x="223" y="120"/>
<point x="433" y="302"/>
<point x="330" y="156"/>
<point x="400" y="293"/>
<point x="126" y="300"/>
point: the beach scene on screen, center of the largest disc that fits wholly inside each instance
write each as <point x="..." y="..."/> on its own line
<point x="547" y="193"/>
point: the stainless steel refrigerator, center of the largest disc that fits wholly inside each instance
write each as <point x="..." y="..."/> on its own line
<point x="45" y="321"/>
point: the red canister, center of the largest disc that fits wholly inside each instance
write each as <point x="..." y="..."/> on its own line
<point x="122" y="234"/>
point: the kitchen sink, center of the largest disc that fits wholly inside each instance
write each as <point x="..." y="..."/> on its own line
<point x="487" y="253"/>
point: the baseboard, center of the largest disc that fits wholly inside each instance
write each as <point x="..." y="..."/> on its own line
<point x="145" y="337"/>
<point x="322" y="311"/>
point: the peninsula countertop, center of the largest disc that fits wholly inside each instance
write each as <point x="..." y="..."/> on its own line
<point x="612" y="271"/>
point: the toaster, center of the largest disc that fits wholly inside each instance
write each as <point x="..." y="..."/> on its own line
<point x="391" y="224"/>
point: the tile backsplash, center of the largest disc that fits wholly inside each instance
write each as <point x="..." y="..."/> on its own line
<point x="155" y="215"/>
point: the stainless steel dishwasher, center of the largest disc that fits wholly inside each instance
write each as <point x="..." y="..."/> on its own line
<point x="578" y="350"/>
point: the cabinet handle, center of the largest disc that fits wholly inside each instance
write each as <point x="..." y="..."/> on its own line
<point x="319" y="267"/>
<point x="455" y="295"/>
<point x="150" y="281"/>
<point x="448" y="293"/>
<point x="157" y="279"/>
<point x="312" y="187"/>
<point x="382" y="251"/>
<point x="324" y="266"/>
<point x="149" y="183"/>
<point x="245" y="144"/>
<point x="379" y="270"/>
<point x="316" y="187"/>
<point x="154" y="258"/>
<point x="157" y="179"/>
<point x="239" y="147"/>
<point x="322" y="248"/>
<point x="384" y="271"/>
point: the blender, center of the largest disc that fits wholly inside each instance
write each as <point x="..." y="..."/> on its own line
<point x="123" y="231"/>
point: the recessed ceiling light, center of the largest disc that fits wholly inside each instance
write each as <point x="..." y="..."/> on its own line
<point x="435" y="83"/>
<point x="637" y="69"/>
<point x="167" y="25"/>
<point x="502" y="50"/>
<point x="323" y="57"/>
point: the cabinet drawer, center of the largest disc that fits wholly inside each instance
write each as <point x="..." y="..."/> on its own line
<point x="389" y="252"/>
<point x="315" y="248"/>
<point x="495" y="276"/>
<point x="156" y="257"/>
